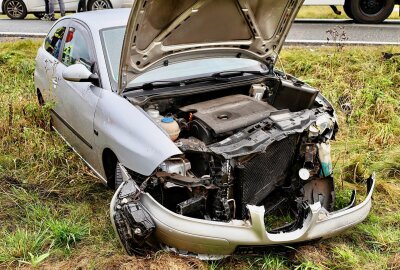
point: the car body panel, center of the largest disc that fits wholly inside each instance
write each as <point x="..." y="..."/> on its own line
<point x="136" y="140"/>
<point x="74" y="99"/>
<point x="159" y="32"/>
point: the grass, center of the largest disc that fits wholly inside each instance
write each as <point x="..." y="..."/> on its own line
<point x="55" y="213"/>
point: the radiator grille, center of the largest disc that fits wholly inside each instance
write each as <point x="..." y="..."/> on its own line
<point x="257" y="178"/>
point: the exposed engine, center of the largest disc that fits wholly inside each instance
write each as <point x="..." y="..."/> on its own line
<point x="267" y="144"/>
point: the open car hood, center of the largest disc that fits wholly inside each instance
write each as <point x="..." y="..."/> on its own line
<point x="163" y="32"/>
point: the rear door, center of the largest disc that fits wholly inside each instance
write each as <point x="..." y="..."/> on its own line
<point x="77" y="100"/>
<point x="71" y="5"/>
<point x="35" y="5"/>
<point x="39" y="5"/>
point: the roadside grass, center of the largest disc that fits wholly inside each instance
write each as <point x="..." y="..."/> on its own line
<point x="54" y="213"/>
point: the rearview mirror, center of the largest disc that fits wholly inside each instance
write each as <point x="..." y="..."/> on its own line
<point x="79" y="73"/>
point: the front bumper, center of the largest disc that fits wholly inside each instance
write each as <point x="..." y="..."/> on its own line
<point x="218" y="238"/>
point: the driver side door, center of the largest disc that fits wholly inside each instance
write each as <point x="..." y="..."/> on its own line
<point x="78" y="100"/>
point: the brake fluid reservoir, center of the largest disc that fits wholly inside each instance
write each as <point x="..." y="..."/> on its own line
<point x="324" y="153"/>
<point x="171" y="127"/>
<point x="155" y="114"/>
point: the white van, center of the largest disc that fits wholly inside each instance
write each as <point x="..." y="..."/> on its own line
<point x="367" y="11"/>
<point x="18" y="9"/>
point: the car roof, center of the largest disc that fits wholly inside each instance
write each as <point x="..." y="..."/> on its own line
<point x="100" y="19"/>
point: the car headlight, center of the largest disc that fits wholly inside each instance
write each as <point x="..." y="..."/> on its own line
<point x="323" y="125"/>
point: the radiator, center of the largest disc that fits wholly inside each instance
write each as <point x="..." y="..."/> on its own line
<point x="258" y="177"/>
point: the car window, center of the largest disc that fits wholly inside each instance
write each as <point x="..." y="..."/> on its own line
<point x="54" y="39"/>
<point x="76" y="48"/>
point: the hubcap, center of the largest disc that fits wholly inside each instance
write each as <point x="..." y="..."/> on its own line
<point x="100" y="4"/>
<point x="15" y="9"/>
<point x="372" y="7"/>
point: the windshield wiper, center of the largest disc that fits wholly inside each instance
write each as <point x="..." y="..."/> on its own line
<point x="237" y="73"/>
<point x="164" y="84"/>
<point x="216" y="77"/>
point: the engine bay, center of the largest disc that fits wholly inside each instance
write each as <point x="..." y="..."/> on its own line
<point x="260" y="144"/>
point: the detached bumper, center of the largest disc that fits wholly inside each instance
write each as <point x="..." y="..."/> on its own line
<point x="217" y="238"/>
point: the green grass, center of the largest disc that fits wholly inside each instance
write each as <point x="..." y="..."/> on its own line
<point x="55" y="213"/>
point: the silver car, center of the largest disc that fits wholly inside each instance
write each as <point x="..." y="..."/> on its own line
<point x="178" y="106"/>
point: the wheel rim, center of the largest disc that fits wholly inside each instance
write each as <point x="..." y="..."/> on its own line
<point x="15" y="9"/>
<point x="372" y="7"/>
<point x="100" y="4"/>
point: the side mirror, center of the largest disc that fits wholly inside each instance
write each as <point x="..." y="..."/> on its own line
<point x="79" y="73"/>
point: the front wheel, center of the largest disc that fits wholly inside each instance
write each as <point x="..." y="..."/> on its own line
<point x="15" y="9"/>
<point x="98" y="5"/>
<point x="371" y="11"/>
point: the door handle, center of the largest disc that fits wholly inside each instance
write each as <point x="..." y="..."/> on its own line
<point x="55" y="81"/>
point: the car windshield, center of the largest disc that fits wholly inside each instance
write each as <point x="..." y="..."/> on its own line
<point x="112" y="41"/>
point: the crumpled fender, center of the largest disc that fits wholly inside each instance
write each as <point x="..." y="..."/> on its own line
<point x="137" y="141"/>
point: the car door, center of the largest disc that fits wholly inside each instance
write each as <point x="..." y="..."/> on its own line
<point x="71" y="5"/>
<point x="35" y="5"/>
<point x="77" y="100"/>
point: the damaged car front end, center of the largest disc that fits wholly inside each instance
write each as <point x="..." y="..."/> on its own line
<point x="244" y="162"/>
<point x="255" y="165"/>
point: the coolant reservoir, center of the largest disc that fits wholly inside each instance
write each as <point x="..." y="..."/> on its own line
<point x="324" y="152"/>
<point x="171" y="127"/>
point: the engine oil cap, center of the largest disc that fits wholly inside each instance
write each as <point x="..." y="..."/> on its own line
<point x="167" y="120"/>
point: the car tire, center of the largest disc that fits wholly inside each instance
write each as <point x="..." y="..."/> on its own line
<point x="347" y="9"/>
<point x="39" y="15"/>
<point x="98" y="5"/>
<point x="371" y="11"/>
<point x="15" y="9"/>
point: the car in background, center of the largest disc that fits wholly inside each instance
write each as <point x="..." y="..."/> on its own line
<point x="19" y="9"/>
<point x="179" y="107"/>
<point x="361" y="11"/>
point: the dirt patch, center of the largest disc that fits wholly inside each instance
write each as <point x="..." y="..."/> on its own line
<point x="316" y="253"/>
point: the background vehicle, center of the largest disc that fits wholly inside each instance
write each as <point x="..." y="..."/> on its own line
<point x="362" y="11"/>
<point x="19" y="9"/>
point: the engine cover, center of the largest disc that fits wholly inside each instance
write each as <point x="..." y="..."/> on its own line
<point x="230" y="113"/>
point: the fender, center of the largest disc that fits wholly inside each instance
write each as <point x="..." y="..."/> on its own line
<point x="136" y="140"/>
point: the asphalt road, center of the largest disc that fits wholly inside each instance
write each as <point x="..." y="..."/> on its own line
<point x="302" y="32"/>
